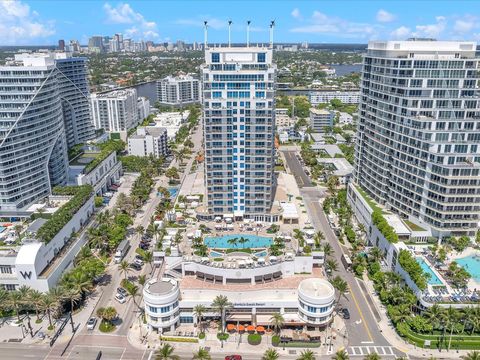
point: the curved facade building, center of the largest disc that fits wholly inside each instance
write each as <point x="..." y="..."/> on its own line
<point x="33" y="152"/>
<point x="169" y="303"/>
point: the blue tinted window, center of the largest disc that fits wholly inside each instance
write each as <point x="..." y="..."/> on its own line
<point x="215" y="57"/>
<point x="261" y="57"/>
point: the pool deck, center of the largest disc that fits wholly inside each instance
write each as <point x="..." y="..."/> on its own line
<point x="473" y="283"/>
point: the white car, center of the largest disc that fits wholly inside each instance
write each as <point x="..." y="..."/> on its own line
<point x="138" y="261"/>
<point x="91" y="323"/>
<point x="120" y="298"/>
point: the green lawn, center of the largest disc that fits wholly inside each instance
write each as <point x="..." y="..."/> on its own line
<point x="412" y="226"/>
<point x="369" y="200"/>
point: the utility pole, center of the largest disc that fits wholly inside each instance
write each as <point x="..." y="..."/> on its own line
<point x="205" y="33"/>
<point x="229" y="33"/>
<point x="248" y="33"/>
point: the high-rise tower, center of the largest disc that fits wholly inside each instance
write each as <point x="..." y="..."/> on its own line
<point x="238" y="86"/>
<point x="417" y="149"/>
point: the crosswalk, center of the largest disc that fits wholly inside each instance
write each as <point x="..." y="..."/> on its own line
<point x="365" y="350"/>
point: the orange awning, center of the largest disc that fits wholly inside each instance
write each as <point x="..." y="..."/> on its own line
<point x="241" y="328"/>
<point x="260" y="329"/>
<point x="250" y="328"/>
<point x="230" y="327"/>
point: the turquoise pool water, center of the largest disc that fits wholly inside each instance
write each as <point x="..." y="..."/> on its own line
<point x="472" y="265"/>
<point x="434" y="279"/>
<point x="2" y="228"/>
<point x="173" y="192"/>
<point x="215" y="254"/>
<point x="261" y="254"/>
<point x="252" y="241"/>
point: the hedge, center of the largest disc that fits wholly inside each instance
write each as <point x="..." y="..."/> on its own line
<point x="254" y="339"/>
<point x="464" y="342"/>
<point x="383" y="226"/>
<point x="106" y="149"/>
<point x="413" y="268"/>
<point x="222" y="336"/>
<point x="294" y="344"/>
<point x="178" y="339"/>
<point x="62" y="216"/>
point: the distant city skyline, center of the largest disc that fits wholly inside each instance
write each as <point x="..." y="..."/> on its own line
<point x="45" y="22"/>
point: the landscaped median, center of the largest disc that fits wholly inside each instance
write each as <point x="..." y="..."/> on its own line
<point x="179" y="339"/>
<point x="438" y="340"/>
<point x="293" y="344"/>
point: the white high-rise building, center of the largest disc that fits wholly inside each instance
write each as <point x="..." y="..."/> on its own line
<point x="149" y="140"/>
<point x="115" y="111"/>
<point x="178" y="91"/>
<point x="239" y="113"/>
<point x="33" y="149"/>
<point x="75" y="93"/>
<point x="417" y="147"/>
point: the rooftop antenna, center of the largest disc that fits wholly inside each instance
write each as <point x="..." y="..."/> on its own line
<point x="229" y="33"/>
<point x="272" y="25"/>
<point x="248" y="32"/>
<point x="205" y="33"/>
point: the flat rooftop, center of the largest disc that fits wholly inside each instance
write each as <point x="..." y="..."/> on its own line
<point x="161" y="286"/>
<point x="317" y="288"/>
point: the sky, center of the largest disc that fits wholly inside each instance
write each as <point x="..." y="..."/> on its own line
<point x="41" y="22"/>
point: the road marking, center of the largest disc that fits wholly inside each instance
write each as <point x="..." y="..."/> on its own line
<point x="361" y="314"/>
<point x="367" y="342"/>
<point x="366" y="350"/>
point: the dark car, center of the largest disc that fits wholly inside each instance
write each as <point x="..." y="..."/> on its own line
<point x="135" y="266"/>
<point x="346" y="314"/>
<point x="143" y="246"/>
<point x="233" y="357"/>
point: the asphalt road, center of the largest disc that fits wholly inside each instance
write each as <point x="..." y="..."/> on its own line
<point x="297" y="170"/>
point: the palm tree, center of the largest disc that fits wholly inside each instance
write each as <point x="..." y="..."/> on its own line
<point x="472" y="355"/>
<point x="148" y="257"/>
<point x="202" y="354"/>
<point x="166" y="353"/>
<point x="78" y="283"/>
<point x="270" y="354"/>
<point x="107" y="314"/>
<point x="73" y="296"/>
<point x="451" y="317"/>
<point x="49" y="304"/>
<point x="373" y="356"/>
<point x="242" y="241"/>
<point x="331" y="265"/>
<point x="15" y="301"/>
<point x="277" y="322"/>
<point x="199" y="310"/>
<point x="341" y="286"/>
<point x="35" y="298"/>
<point x="142" y="279"/>
<point x="139" y="230"/>
<point x="220" y="304"/>
<point x="327" y="250"/>
<point x="133" y="292"/>
<point x="124" y="268"/>
<point x="18" y="231"/>
<point x="341" y="355"/>
<point x="306" y="355"/>
<point x="233" y="242"/>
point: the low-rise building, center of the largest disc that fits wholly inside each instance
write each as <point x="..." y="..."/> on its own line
<point x="282" y="119"/>
<point x="330" y="150"/>
<point x="95" y="168"/>
<point x="39" y="263"/>
<point x="340" y="167"/>
<point x="149" y="140"/>
<point x="324" y="97"/>
<point x="171" y="121"/>
<point x="320" y="119"/>
<point x="345" y="118"/>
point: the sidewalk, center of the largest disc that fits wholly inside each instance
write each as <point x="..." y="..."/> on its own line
<point x="388" y="331"/>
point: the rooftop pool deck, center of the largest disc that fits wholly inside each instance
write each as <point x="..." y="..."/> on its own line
<point x="472" y="265"/>
<point x="226" y="241"/>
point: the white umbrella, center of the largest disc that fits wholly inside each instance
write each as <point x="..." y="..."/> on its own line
<point x="273" y="258"/>
<point x="190" y="235"/>
<point x="261" y="259"/>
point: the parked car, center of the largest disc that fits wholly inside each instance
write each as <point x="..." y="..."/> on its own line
<point x="91" y="323"/>
<point x="120" y="298"/>
<point x="233" y="357"/>
<point x="122" y="291"/>
<point x="139" y="257"/>
<point x="346" y="314"/>
<point x="135" y="266"/>
<point x="143" y="246"/>
<point x="138" y="262"/>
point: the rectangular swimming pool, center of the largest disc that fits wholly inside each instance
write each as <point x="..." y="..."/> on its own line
<point x="434" y="279"/>
<point x="227" y="242"/>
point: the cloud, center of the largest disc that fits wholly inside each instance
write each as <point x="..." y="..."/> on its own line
<point x="213" y="23"/>
<point x="465" y="24"/>
<point x="384" y="16"/>
<point x="431" y="30"/>
<point x="123" y="13"/>
<point x="296" y="13"/>
<point x="321" y="23"/>
<point x="401" y="33"/>
<point x="21" y="25"/>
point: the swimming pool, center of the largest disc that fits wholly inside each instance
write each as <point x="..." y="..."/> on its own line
<point x="2" y="228"/>
<point x="472" y="265"/>
<point x="216" y="254"/>
<point x="434" y="279"/>
<point x="251" y="241"/>
<point x="173" y="192"/>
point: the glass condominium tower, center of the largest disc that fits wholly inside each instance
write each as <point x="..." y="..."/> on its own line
<point x="417" y="150"/>
<point x="238" y="87"/>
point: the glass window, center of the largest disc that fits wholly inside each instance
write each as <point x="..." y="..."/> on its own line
<point x="215" y="57"/>
<point x="261" y="57"/>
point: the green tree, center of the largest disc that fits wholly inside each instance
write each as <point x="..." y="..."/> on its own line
<point x="306" y="355"/>
<point x="373" y="356"/>
<point x="148" y="257"/>
<point x="451" y="318"/>
<point x="220" y="304"/>
<point x="331" y="265"/>
<point x="166" y="353"/>
<point x="35" y="298"/>
<point x="472" y="355"/>
<point x="107" y="314"/>
<point x="124" y="268"/>
<point x="199" y="310"/>
<point x="202" y="354"/>
<point x="277" y="320"/>
<point x="341" y="355"/>
<point x="270" y="354"/>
